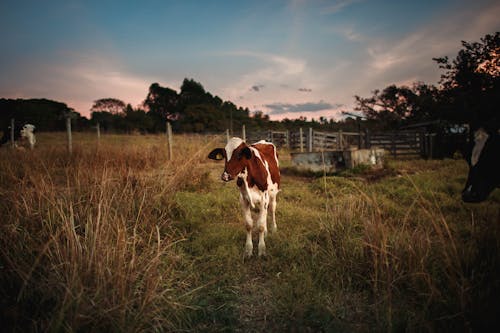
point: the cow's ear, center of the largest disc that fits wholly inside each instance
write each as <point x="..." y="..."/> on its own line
<point x="246" y="152"/>
<point x="216" y="154"/>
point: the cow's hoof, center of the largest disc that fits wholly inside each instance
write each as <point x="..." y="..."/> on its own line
<point x="248" y="252"/>
<point x="262" y="252"/>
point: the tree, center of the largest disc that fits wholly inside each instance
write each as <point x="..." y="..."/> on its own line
<point x="137" y="120"/>
<point x="46" y="115"/>
<point x="395" y="106"/>
<point x="201" y="118"/>
<point x="107" y="120"/>
<point x="471" y="82"/>
<point x="389" y="106"/>
<point x="192" y="92"/>
<point x="111" y="105"/>
<point x="191" y="87"/>
<point x="163" y="103"/>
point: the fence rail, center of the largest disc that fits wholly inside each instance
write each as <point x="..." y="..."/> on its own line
<point x="401" y="143"/>
<point x="396" y="143"/>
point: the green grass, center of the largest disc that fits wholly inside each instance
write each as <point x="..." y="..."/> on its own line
<point x="118" y="238"/>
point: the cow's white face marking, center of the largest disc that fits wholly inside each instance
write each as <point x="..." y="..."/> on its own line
<point x="27" y="132"/>
<point x="480" y="137"/>
<point x="232" y="144"/>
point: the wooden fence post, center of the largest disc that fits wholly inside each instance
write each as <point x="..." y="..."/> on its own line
<point x="68" y="131"/>
<point x="98" y="129"/>
<point x="393" y="144"/>
<point x="169" y="140"/>
<point x="227" y="135"/>
<point x="12" y="132"/>
<point x="311" y="139"/>
<point x="421" y="142"/>
<point x="301" y="134"/>
<point x="244" y="133"/>
<point x="340" y="143"/>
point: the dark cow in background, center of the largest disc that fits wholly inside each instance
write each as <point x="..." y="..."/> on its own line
<point x="484" y="166"/>
<point x="256" y="170"/>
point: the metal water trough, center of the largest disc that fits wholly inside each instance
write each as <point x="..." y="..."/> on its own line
<point x="333" y="161"/>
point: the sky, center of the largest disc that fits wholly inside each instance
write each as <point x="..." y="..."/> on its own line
<point x="287" y="59"/>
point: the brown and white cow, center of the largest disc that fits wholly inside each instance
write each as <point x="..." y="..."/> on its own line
<point x="257" y="174"/>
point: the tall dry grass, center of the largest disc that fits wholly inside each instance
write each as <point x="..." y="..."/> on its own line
<point x="87" y="242"/>
<point x="118" y="238"/>
<point x="420" y="267"/>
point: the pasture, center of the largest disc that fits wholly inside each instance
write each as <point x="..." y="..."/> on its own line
<point x="116" y="237"/>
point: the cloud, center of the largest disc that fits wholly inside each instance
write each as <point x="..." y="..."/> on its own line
<point x="257" y="87"/>
<point x="272" y="70"/>
<point x="305" y="90"/>
<point x="433" y="40"/>
<point x="338" y="6"/>
<point x="279" y="108"/>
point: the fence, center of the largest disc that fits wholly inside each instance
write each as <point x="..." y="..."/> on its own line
<point x="407" y="143"/>
<point x="398" y="144"/>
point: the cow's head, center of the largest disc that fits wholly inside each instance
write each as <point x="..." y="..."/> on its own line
<point x="236" y="155"/>
<point x="483" y="159"/>
<point x="27" y="130"/>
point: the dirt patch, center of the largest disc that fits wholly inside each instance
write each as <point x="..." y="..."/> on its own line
<point x="375" y="175"/>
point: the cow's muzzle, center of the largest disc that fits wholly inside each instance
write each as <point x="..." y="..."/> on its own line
<point x="226" y="176"/>
<point x="469" y="195"/>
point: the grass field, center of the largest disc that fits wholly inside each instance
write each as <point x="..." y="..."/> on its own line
<point x="118" y="238"/>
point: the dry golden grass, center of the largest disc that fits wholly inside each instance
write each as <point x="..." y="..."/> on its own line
<point x="87" y="239"/>
<point x="118" y="238"/>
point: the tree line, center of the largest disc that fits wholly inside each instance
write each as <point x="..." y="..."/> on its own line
<point x="468" y="93"/>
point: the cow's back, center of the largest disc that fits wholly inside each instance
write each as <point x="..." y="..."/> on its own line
<point x="269" y="154"/>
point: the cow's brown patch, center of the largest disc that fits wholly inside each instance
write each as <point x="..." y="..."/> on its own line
<point x="237" y="163"/>
<point x="243" y="157"/>
<point x="269" y="154"/>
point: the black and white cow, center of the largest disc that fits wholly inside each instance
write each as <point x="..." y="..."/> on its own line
<point x="26" y="133"/>
<point x="484" y="166"/>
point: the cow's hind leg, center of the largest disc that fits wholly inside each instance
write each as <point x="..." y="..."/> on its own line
<point x="272" y="208"/>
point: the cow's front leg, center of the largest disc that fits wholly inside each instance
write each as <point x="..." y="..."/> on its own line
<point x="247" y="215"/>
<point x="262" y="224"/>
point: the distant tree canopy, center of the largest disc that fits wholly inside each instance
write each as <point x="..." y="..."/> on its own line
<point x="395" y="106"/>
<point x="45" y="114"/>
<point x="471" y="82"/>
<point x="193" y="109"/>
<point x="111" y="105"/>
<point x="162" y="102"/>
